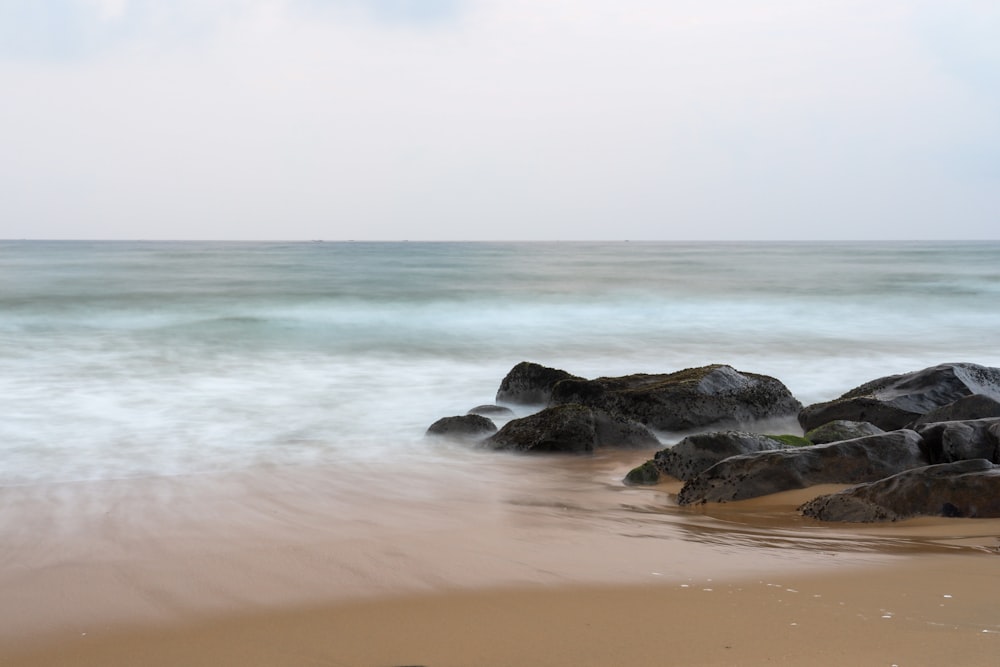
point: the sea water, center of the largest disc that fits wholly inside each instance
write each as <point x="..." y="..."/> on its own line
<point x="132" y="359"/>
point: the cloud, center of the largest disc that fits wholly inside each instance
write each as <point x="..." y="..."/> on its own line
<point x="490" y="119"/>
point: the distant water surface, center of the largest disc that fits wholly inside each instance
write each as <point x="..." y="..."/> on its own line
<point x="122" y="359"/>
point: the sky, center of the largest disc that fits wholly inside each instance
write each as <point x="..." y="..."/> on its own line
<point x="500" y="119"/>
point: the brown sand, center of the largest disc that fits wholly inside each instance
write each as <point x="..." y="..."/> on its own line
<point x="515" y="565"/>
<point x="942" y="611"/>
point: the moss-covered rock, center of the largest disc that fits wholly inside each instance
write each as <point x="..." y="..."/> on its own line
<point x="645" y="475"/>
<point x="841" y="429"/>
<point x="697" y="453"/>
<point x="847" y="462"/>
<point x="792" y="440"/>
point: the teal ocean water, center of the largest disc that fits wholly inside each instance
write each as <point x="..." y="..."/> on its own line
<point x="128" y="359"/>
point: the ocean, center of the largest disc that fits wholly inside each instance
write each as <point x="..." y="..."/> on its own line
<point x="153" y="359"/>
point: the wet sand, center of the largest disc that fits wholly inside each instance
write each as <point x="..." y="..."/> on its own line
<point x="511" y="563"/>
<point x="936" y="612"/>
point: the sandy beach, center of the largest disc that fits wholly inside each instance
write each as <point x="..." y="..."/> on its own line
<point x="513" y="564"/>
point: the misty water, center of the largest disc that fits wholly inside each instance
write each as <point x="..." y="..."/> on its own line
<point x="134" y="359"/>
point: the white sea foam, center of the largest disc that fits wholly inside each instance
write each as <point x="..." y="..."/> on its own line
<point x="120" y="359"/>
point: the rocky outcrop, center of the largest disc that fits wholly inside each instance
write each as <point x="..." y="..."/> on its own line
<point x="697" y="453"/>
<point x="685" y="400"/>
<point x="946" y="442"/>
<point x="969" y="488"/>
<point x="896" y="401"/>
<point x="847" y="462"/>
<point x="570" y="428"/>
<point x="841" y="429"/>
<point x="976" y="406"/>
<point x="530" y="384"/>
<point x="463" y="427"/>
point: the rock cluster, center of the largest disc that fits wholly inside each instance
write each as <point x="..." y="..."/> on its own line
<point x="916" y="435"/>
<point x="849" y="461"/>
<point x="926" y="442"/>
<point x="581" y="415"/>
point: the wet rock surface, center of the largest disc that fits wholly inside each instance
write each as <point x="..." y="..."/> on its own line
<point x="572" y="429"/>
<point x="685" y="400"/>
<point x="976" y="406"/>
<point x="847" y="462"/>
<point x="498" y="411"/>
<point x="969" y="488"/>
<point x="463" y="427"/>
<point x="946" y="442"/>
<point x="529" y="383"/>
<point x="697" y="453"/>
<point x="841" y="429"/>
<point x="896" y="401"/>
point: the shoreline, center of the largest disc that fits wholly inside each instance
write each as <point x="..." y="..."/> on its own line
<point x="210" y="564"/>
<point x="904" y="614"/>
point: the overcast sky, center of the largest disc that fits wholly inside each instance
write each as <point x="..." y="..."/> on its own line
<point x="500" y="119"/>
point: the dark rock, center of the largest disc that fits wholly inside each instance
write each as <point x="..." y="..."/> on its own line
<point x="686" y="400"/>
<point x="895" y="401"/>
<point x="464" y="427"/>
<point x="946" y="442"/>
<point x="969" y="488"/>
<point x="530" y="384"/>
<point x="792" y="440"/>
<point x="645" y="475"/>
<point x="570" y="428"/>
<point x="492" y="411"/>
<point x="846" y="462"/>
<point x="697" y="453"/>
<point x="842" y="429"/>
<point x="976" y="406"/>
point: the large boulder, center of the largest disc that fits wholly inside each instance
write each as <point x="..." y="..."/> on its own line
<point x="842" y="429"/>
<point x="530" y="384"/>
<point x="685" y="400"/>
<point x="463" y="427"/>
<point x="570" y="428"/>
<point x="846" y="462"/>
<point x="896" y="401"/>
<point x="976" y="406"/>
<point x="946" y="442"/>
<point x="697" y="453"/>
<point x="969" y="488"/>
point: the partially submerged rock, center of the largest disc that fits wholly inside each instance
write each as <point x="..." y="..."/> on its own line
<point x="969" y="488"/>
<point x="646" y="474"/>
<point x="946" y="442"/>
<point x="847" y="462"/>
<point x="530" y="384"/>
<point x="842" y="429"/>
<point x="463" y="427"/>
<point x="685" y="400"/>
<point x="498" y="411"/>
<point x="697" y="453"/>
<point x="570" y="428"/>
<point x="895" y="401"/>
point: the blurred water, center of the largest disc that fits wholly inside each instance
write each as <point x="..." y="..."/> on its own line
<point x="122" y="359"/>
